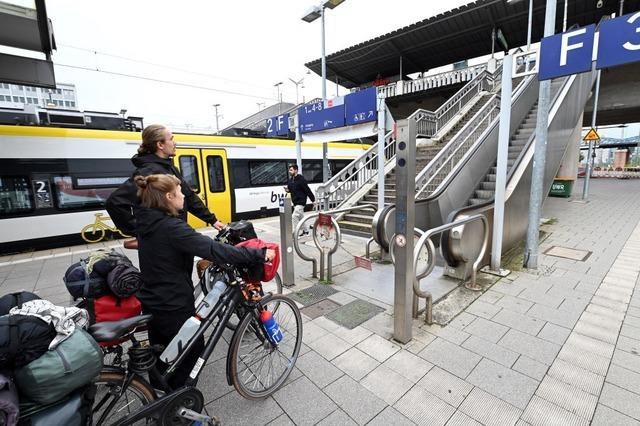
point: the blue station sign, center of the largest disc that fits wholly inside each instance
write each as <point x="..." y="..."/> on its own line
<point x="361" y="107"/>
<point x="278" y="126"/>
<point x="321" y="115"/>
<point x="616" y="43"/>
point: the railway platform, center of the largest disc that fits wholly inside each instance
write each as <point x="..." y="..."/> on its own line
<point x="560" y="345"/>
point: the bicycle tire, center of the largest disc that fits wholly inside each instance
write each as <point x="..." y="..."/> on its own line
<point x="110" y="383"/>
<point x="89" y="234"/>
<point x="255" y="339"/>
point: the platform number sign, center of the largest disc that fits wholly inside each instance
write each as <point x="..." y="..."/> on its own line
<point x="42" y="194"/>
<point x="278" y="125"/>
<point x="616" y="43"/>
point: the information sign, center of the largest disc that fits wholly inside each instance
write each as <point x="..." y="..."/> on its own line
<point x="361" y="107"/>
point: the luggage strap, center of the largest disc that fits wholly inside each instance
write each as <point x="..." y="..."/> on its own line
<point x="13" y="337"/>
<point x="87" y="279"/>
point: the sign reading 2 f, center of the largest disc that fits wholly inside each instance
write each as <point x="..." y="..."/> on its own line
<point x="278" y="126"/>
<point x="616" y="43"/>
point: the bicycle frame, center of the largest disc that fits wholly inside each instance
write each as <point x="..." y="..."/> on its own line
<point x="230" y="300"/>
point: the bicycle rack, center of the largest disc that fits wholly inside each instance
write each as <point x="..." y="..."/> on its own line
<point x="425" y="239"/>
<point x="321" y="250"/>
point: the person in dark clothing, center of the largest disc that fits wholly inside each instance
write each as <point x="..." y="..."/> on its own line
<point x="154" y="157"/>
<point x="167" y="246"/>
<point x="299" y="189"/>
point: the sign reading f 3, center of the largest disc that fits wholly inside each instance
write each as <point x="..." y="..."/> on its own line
<point x="616" y="43"/>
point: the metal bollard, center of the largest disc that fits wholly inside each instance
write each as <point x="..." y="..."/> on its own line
<point x="286" y="242"/>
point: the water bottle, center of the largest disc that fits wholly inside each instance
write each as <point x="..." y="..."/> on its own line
<point x="210" y="301"/>
<point x="180" y="341"/>
<point x="272" y="327"/>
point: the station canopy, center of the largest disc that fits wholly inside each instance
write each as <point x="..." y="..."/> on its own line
<point x="455" y="36"/>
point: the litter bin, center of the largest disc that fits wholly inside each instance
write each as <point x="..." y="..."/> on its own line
<point x="561" y="188"/>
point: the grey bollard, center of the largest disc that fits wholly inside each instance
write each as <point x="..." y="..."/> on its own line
<point x="286" y="242"/>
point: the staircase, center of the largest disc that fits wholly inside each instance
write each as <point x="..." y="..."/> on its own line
<point x="485" y="190"/>
<point x="359" y="222"/>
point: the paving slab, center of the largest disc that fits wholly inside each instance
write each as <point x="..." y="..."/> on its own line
<point x="450" y="357"/>
<point x="360" y="404"/>
<point x="489" y="410"/>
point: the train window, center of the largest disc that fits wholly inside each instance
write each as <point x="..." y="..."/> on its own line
<point x="69" y="196"/>
<point x="100" y="182"/>
<point x="189" y="170"/>
<point x="216" y="173"/>
<point x="15" y="195"/>
<point x="312" y="171"/>
<point x="338" y="165"/>
<point x="268" y="172"/>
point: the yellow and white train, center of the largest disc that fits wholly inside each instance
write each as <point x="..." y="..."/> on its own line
<point x="53" y="180"/>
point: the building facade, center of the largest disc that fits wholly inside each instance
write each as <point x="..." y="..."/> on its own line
<point x="18" y="96"/>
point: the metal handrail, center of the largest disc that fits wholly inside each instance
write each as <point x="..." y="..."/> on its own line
<point x="299" y="227"/>
<point x="357" y="173"/>
<point x="425" y="239"/>
<point x="446" y="159"/>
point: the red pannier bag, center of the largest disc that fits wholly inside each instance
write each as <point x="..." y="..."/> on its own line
<point x="112" y="308"/>
<point x="269" y="269"/>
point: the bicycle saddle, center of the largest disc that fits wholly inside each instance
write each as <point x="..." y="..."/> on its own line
<point x="113" y="330"/>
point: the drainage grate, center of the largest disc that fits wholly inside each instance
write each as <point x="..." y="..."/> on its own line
<point x="323" y="307"/>
<point x="313" y="294"/>
<point x="354" y="313"/>
<point x="568" y="253"/>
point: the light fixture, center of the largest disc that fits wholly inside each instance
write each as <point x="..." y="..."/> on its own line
<point x="312" y="14"/>
<point x="330" y="4"/>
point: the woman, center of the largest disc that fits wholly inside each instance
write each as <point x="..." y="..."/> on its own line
<point x="167" y="245"/>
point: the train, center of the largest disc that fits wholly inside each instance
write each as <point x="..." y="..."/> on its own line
<point x="57" y="172"/>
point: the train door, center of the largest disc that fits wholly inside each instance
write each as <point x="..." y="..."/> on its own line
<point x="190" y="165"/>
<point x="216" y="183"/>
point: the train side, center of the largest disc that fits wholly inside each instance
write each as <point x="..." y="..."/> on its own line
<point x="54" y="180"/>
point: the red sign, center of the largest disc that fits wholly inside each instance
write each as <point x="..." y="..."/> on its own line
<point x="362" y="262"/>
<point x="324" y="220"/>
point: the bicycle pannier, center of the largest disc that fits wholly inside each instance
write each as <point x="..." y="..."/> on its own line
<point x="12" y="300"/>
<point x="73" y="363"/>
<point x="112" y="308"/>
<point x="262" y="272"/>
<point x="70" y="411"/>
<point x="23" y="338"/>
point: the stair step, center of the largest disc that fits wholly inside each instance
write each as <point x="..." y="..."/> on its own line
<point x="371" y="198"/>
<point x="356" y="226"/>
<point x="482" y="193"/>
<point x="359" y="218"/>
<point x="510" y="162"/>
<point x="387" y="192"/>
<point x="474" y="201"/>
<point x="513" y="155"/>
<point x="489" y="186"/>
<point x="514" y="148"/>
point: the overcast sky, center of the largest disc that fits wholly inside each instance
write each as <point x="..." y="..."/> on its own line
<point x="242" y="46"/>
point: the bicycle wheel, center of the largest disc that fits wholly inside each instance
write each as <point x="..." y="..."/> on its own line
<point x="258" y="367"/>
<point x="109" y="386"/>
<point x="274" y="287"/>
<point x="92" y="233"/>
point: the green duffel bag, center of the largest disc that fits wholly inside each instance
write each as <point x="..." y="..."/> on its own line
<point x="72" y="364"/>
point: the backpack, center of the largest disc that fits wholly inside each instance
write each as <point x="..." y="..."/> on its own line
<point x="12" y="300"/>
<point x="266" y="271"/>
<point x="120" y="205"/>
<point x="74" y="410"/>
<point x="23" y="338"/>
<point x="72" y="364"/>
<point x="82" y="284"/>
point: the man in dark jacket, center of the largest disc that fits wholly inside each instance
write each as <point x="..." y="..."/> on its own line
<point x="154" y="157"/>
<point x="299" y="190"/>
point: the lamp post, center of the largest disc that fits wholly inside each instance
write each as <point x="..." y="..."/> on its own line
<point x="297" y="83"/>
<point x="312" y="14"/>
<point x="277" y="86"/>
<point x="123" y="112"/>
<point x="217" y="123"/>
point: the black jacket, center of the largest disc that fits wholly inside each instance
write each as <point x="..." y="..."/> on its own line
<point x="299" y="190"/>
<point x="167" y="246"/>
<point x="122" y="201"/>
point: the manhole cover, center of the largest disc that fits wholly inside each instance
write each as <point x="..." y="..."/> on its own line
<point x="354" y="313"/>
<point x="313" y="294"/>
<point x="568" y="253"/>
<point x="323" y="307"/>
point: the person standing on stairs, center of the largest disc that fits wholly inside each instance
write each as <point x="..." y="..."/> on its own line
<point x="299" y="189"/>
